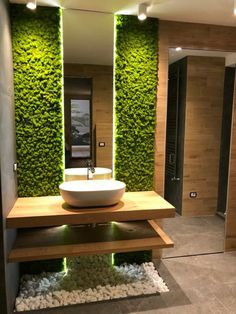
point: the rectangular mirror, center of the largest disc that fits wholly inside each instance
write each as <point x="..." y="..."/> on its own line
<point x="201" y="88"/>
<point x="88" y="87"/>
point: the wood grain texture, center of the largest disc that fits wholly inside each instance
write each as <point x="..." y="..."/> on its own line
<point x="193" y="36"/>
<point x="189" y="36"/>
<point x="204" y="106"/>
<point x="104" y="154"/>
<point x="53" y="211"/>
<point x="49" y="243"/>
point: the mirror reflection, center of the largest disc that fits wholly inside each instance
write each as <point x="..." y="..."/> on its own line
<point x="88" y="87"/>
<point x="200" y="99"/>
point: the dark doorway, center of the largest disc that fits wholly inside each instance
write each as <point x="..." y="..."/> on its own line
<point x="175" y="133"/>
<point x="225" y="139"/>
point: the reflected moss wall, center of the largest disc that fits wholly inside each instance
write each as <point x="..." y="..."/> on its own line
<point x="37" y="59"/>
<point x="135" y="101"/>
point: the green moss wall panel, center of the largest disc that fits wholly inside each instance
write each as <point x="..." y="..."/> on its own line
<point x="37" y="60"/>
<point x="135" y="101"/>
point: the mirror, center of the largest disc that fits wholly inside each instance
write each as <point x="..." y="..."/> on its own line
<point x="88" y="87"/>
<point x="200" y="99"/>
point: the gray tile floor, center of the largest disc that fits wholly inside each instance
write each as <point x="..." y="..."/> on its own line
<point x="199" y="284"/>
<point x="194" y="235"/>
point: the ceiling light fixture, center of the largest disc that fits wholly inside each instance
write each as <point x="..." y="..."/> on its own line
<point x="31" y="4"/>
<point x="142" y="11"/>
<point x="234" y="7"/>
<point x="178" y="49"/>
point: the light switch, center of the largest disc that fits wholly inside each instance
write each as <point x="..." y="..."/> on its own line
<point x="15" y="167"/>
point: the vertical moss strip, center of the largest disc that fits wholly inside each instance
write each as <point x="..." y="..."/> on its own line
<point x="37" y="58"/>
<point x="135" y="109"/>
<point x="135" y="101"/>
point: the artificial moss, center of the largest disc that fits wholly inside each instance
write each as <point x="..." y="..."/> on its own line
<point x="37" y="60"/>
<point x="135" y="101"/>
<point x="136" y="63"/>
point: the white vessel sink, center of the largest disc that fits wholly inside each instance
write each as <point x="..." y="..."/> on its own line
<point x="92" y="193"/>
<point x="72" y="174"/>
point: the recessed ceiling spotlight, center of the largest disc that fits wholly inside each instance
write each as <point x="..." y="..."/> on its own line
<point x="31" y="4"/>
<point x="142" y="11"/>
<point x="178" y="49"/>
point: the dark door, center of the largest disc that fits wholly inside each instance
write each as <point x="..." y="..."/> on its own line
<point x="225" y="139"/>
<point x="175" y="133"/>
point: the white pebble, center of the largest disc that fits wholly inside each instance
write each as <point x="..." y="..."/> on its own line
<point x="88" y="279"/>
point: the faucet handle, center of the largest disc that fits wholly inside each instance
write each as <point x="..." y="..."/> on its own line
<point x="89" y="163"/>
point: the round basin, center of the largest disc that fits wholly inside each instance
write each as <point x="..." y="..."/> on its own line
<point x="92" y="193"/>
<point x="72" y="174"/>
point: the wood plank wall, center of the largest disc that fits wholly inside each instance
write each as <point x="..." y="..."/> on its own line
<point x="204" y="105"/>
<point x="102" y="99"/>
<point x="104" y="153"/>
<point x="193" y="36"/>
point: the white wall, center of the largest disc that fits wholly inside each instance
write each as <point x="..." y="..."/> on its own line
<point x="8" y="186"/>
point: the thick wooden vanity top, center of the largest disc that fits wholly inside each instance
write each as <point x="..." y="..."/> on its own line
<point x="45" y="211"/>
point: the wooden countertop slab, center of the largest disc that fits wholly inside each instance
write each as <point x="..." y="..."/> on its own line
<point x="46" y="211"/>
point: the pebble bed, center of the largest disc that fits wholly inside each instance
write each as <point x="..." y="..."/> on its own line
<point x="87" y="279"/>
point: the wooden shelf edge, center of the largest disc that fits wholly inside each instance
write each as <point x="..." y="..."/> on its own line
<point x="72" y="218"/>
<point x="32" y="254"/>
<point x="52" y="211"/>
<point x="165" y="238"/>
<point x="43" y="252"/>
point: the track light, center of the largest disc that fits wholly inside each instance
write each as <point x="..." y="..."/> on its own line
<point x="142" y="11"/>
<point x="31" y="4"/>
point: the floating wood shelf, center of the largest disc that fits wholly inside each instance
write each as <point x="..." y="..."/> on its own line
<point x="46" y="211"/>
<point x="56" y="242"/>
<point x="54" y="230"/>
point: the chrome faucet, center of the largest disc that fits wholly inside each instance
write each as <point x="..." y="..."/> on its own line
<point x="90" y="170"/>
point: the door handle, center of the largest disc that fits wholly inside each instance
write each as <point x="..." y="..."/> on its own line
<point x="171" y="158"/>
<point x="175" y="179"/>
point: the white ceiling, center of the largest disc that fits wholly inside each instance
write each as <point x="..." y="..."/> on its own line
<point x="219" y="12"/>
<point x="88" y="36"/>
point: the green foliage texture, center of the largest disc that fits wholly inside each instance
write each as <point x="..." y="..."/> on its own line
<point x="135" y="101"/>
<point x="37" y="60"/>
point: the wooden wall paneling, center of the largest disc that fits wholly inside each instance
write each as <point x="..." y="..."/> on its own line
<point x="204" y="105"/>
<point x="104" y="153"/>
<point x="192" y="36"/>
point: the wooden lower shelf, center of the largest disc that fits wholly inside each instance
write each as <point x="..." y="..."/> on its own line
<point x="112" y="237"/>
